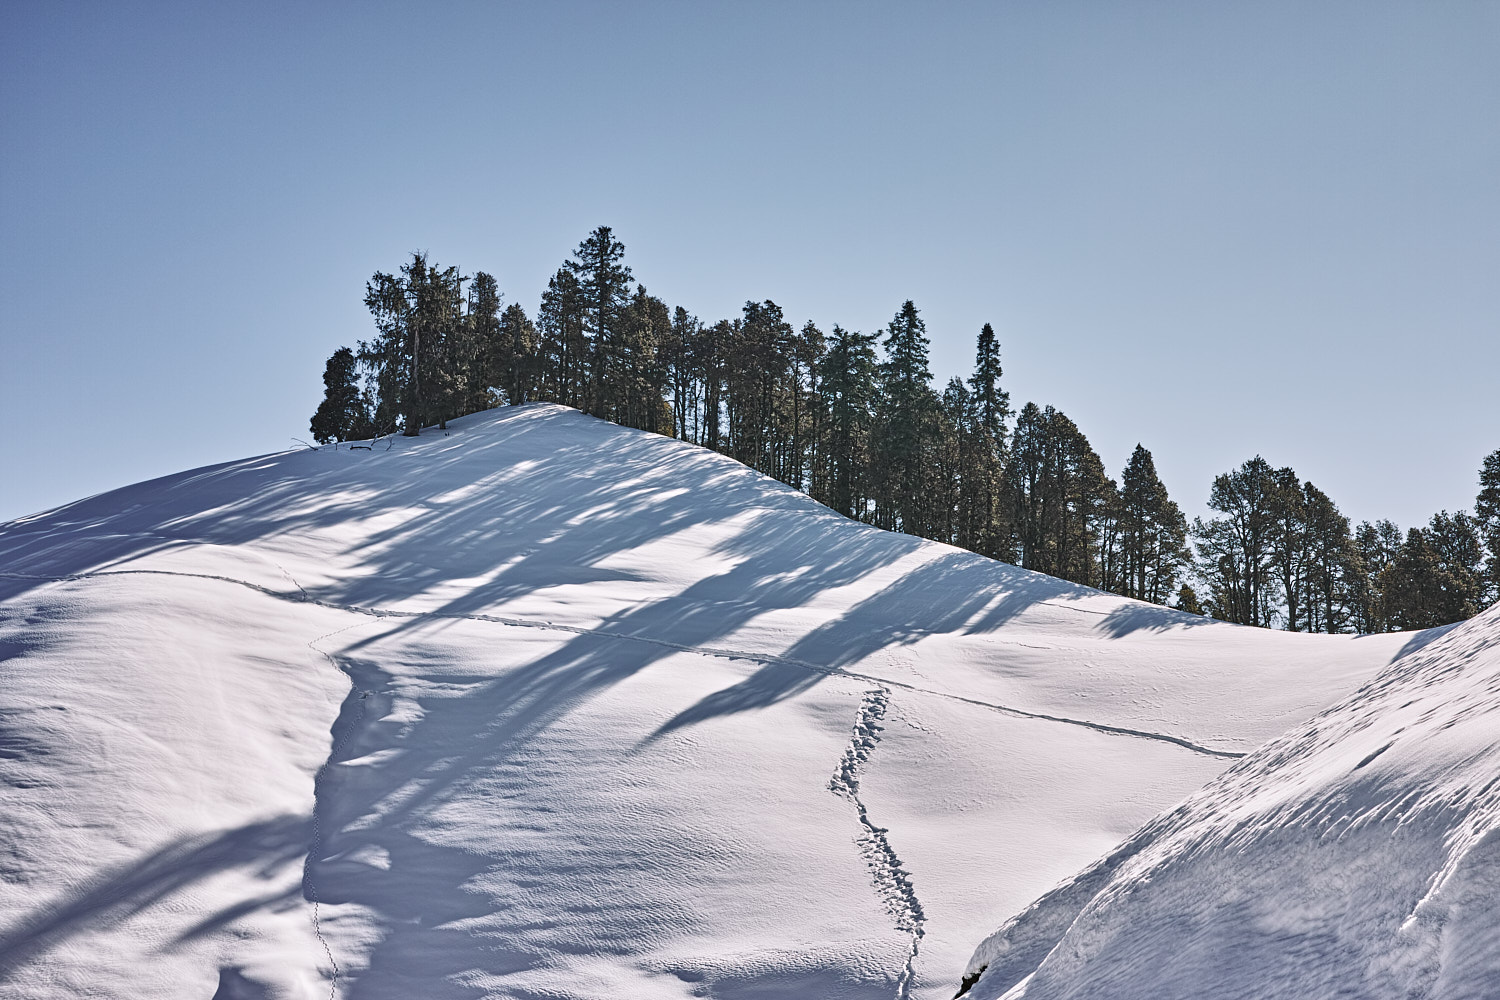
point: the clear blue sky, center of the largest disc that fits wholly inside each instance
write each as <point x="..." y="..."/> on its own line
<point x="1216" y="229"/>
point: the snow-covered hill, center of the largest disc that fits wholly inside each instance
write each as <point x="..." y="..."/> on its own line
<point x="1356" y="856"/>
<point x="551" y="708"/>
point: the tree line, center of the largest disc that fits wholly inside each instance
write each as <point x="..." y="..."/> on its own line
<point x="854" y="420"/>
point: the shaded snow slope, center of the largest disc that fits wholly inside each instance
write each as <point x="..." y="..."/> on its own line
<point x="548" y="707"/>
<point x="1356" y="856"/>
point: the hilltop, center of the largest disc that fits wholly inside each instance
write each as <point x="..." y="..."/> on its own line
<point x="550" y="707"/>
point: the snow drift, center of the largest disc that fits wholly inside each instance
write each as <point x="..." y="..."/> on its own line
<point x="547" y="707"/>
<point x="1356" y="856"/>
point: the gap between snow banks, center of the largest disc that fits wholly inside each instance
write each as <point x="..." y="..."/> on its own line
<point x="734" y="654"/>
<point x="892" y="882"/>
<point x="320" y="780"/>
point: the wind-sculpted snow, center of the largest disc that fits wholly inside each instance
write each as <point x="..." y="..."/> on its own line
<point x="547" y="707"/>
<point x="1356" y="856"/>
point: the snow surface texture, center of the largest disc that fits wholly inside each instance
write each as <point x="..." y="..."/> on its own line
<point x="1356" y="856"/>
<point x="548" y="707"/>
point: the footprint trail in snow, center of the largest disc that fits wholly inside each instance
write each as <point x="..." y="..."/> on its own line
<point x="893" y="883"/>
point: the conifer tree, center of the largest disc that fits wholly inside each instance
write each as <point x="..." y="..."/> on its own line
<point x="565" y="350"/>
<point x="1235" y="551"/>
<point x="1187" y="600"/>
<point x="678" y="356"/>
<point x="1287" y="519"/>
<point x="1331" y="578"/>
<point x="1153" y="532"/>
<point x="906" y="426"/>
<point x="1457" y="541"/>
<point x="1374" y="552"/>
<point x="519" y="346"/>
<point x="604" y="289"/>
<point x="1057" y="495"/>
<point x="807" y="349"/>
<point x="951" y="517"/>
<point x="986" y="528"/>
<point x="714" y="345"/>
<point x="491" y="353"/>
<point x="1419" y="590"/>
<point x="341" y="415"/>
<point x="1487" y="514"/>
<point x="847" y="376"/>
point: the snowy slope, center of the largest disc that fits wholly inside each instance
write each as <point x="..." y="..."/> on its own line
<point x="1356" y="856"/>
<point x="552" y="708"/>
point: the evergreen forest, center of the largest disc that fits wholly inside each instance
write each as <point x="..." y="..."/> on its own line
<point x="854" y="420"/>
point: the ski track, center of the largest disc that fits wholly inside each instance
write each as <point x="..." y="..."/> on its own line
<point x="731" y="654"/>
<point x="893" y="883"/>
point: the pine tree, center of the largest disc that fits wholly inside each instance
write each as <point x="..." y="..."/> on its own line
<point x="906" y="426"/>
<point x="1331" y="578"/>
<point x="986" y="528"/>
<point x="807" y="350"/>
<point x="519" y="347"/>
<point x="341" y="415"/>
<point x="1288" y="543"/>
<point x="1235" y="551"/>
<point x="847" y="375"/>
<point x="1153" y="532"/>
<point x="1187" y="600"/>
<point x="604" y="290"/>
<point x="389" y="354"/>
<point x="678" y="351"/>
<point x="1420" y="591"/>
<point x="714" y="346"/>
<point x="490" y="348"/>
<point x="951" y="517"/>
<point x="1374" y="552"/>
<point x="565" y="356"/>
<point x="1060" y="501"/>
<point x="1487" y="514"/>
<point x="1457" y="541"/>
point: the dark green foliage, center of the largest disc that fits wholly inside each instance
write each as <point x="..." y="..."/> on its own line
<point x="1187" y="600"/>
<point x="565" y="359"/>
<point x="847" y="376"/>
<point x="1487" y="516"/>
<point x="1153" y="533"/>
<point x="983" y="523"/>
<point x="489" y="357"/>
<point x="419" y="354"/>
<point x="1236" y="557"/>
<point x="515" y="363"/>
<point x="870" y="437"/>
<point x="342" y="415"/>
<point x="1331" y="580"/>
<point x="1421" y="588"/>
<point x="906" y="429"/>
<point x="1374" y="552"/>
<point x="603" y="289"/>
<point x="1057" y="496"/>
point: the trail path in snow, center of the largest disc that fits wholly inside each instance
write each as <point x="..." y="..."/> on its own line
<point x="893" y="882"/>
<point x="732" y="654"/>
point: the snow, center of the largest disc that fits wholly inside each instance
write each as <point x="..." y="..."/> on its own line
<point x="547" y="707"/>
<point x="1357" y="855"/>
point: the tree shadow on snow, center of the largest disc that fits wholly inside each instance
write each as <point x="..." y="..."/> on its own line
<point x="517" y="500"/>
<point x="133" y="888"/>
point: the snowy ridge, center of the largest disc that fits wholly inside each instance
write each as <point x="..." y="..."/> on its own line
<point x="733" y="654"/>
<point x="590" y="684"/>
<point x="1357" y="855"/>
